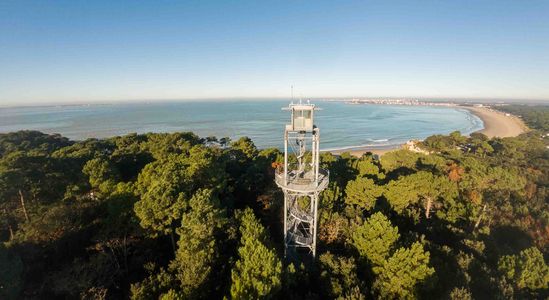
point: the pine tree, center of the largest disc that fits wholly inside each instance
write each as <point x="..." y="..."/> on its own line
<point x="367" y="166"/>
<point x="102" y="175"/>
<point x="153" y="286"/>
<point x="400" y="274"/>
<point x="246" y="146"/>
<point x="374" y="239"/>
<point x="257" y="273"/>
<point x="526" y="270"/>
<point x="197" y="249"/>
<point x="338" y="276"/>
<point x="163" y="187"/>
<point x="167" y="185"/>
<point x="363" y="192"/>
<point x="422" y="188"/>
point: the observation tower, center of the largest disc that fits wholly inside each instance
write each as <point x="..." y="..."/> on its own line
<point x="301" y="179"/>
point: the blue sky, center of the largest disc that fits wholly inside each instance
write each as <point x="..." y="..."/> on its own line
<point x="72" y="51"/>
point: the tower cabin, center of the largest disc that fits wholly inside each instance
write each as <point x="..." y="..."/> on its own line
<point x="302" y="117"/>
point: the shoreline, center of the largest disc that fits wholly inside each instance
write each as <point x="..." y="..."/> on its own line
<point x="495" y="124"/>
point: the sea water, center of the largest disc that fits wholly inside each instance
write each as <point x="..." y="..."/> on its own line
<point x="342" y="125"/>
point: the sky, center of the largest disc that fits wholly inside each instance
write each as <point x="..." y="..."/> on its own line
<point x="85" y="51"/>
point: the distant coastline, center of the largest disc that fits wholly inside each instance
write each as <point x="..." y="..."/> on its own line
<point x="408" y="102"/>
<point x="343" y="126"/>
<point x="495" y="123"/>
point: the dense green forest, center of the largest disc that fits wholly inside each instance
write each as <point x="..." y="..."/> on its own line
<point x="534" y="116"/>
<point x="176" y="216"/>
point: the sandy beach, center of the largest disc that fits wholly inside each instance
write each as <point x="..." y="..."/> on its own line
<point x="496" y="124"/>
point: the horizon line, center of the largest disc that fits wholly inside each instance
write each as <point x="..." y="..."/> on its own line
<point x="265" y="98"/>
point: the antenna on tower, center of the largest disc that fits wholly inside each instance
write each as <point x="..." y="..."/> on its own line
<point x="292" y="93"/>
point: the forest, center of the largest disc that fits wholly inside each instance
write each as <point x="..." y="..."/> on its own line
<point x="178" y="216"/>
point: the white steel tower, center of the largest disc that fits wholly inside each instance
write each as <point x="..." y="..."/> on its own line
<point x="301" y="179"/>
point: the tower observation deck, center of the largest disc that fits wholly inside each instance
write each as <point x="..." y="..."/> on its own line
<point x="301" y="180"/>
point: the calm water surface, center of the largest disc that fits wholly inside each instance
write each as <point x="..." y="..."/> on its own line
<point x="341" y="125"/>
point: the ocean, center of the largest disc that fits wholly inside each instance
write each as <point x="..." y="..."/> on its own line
<point x="342" y="126"/>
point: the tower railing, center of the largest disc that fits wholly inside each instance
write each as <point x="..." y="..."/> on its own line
<point x="306" y="183"/>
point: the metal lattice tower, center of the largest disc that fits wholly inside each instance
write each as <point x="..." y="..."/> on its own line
<point x="301" y="179"/>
